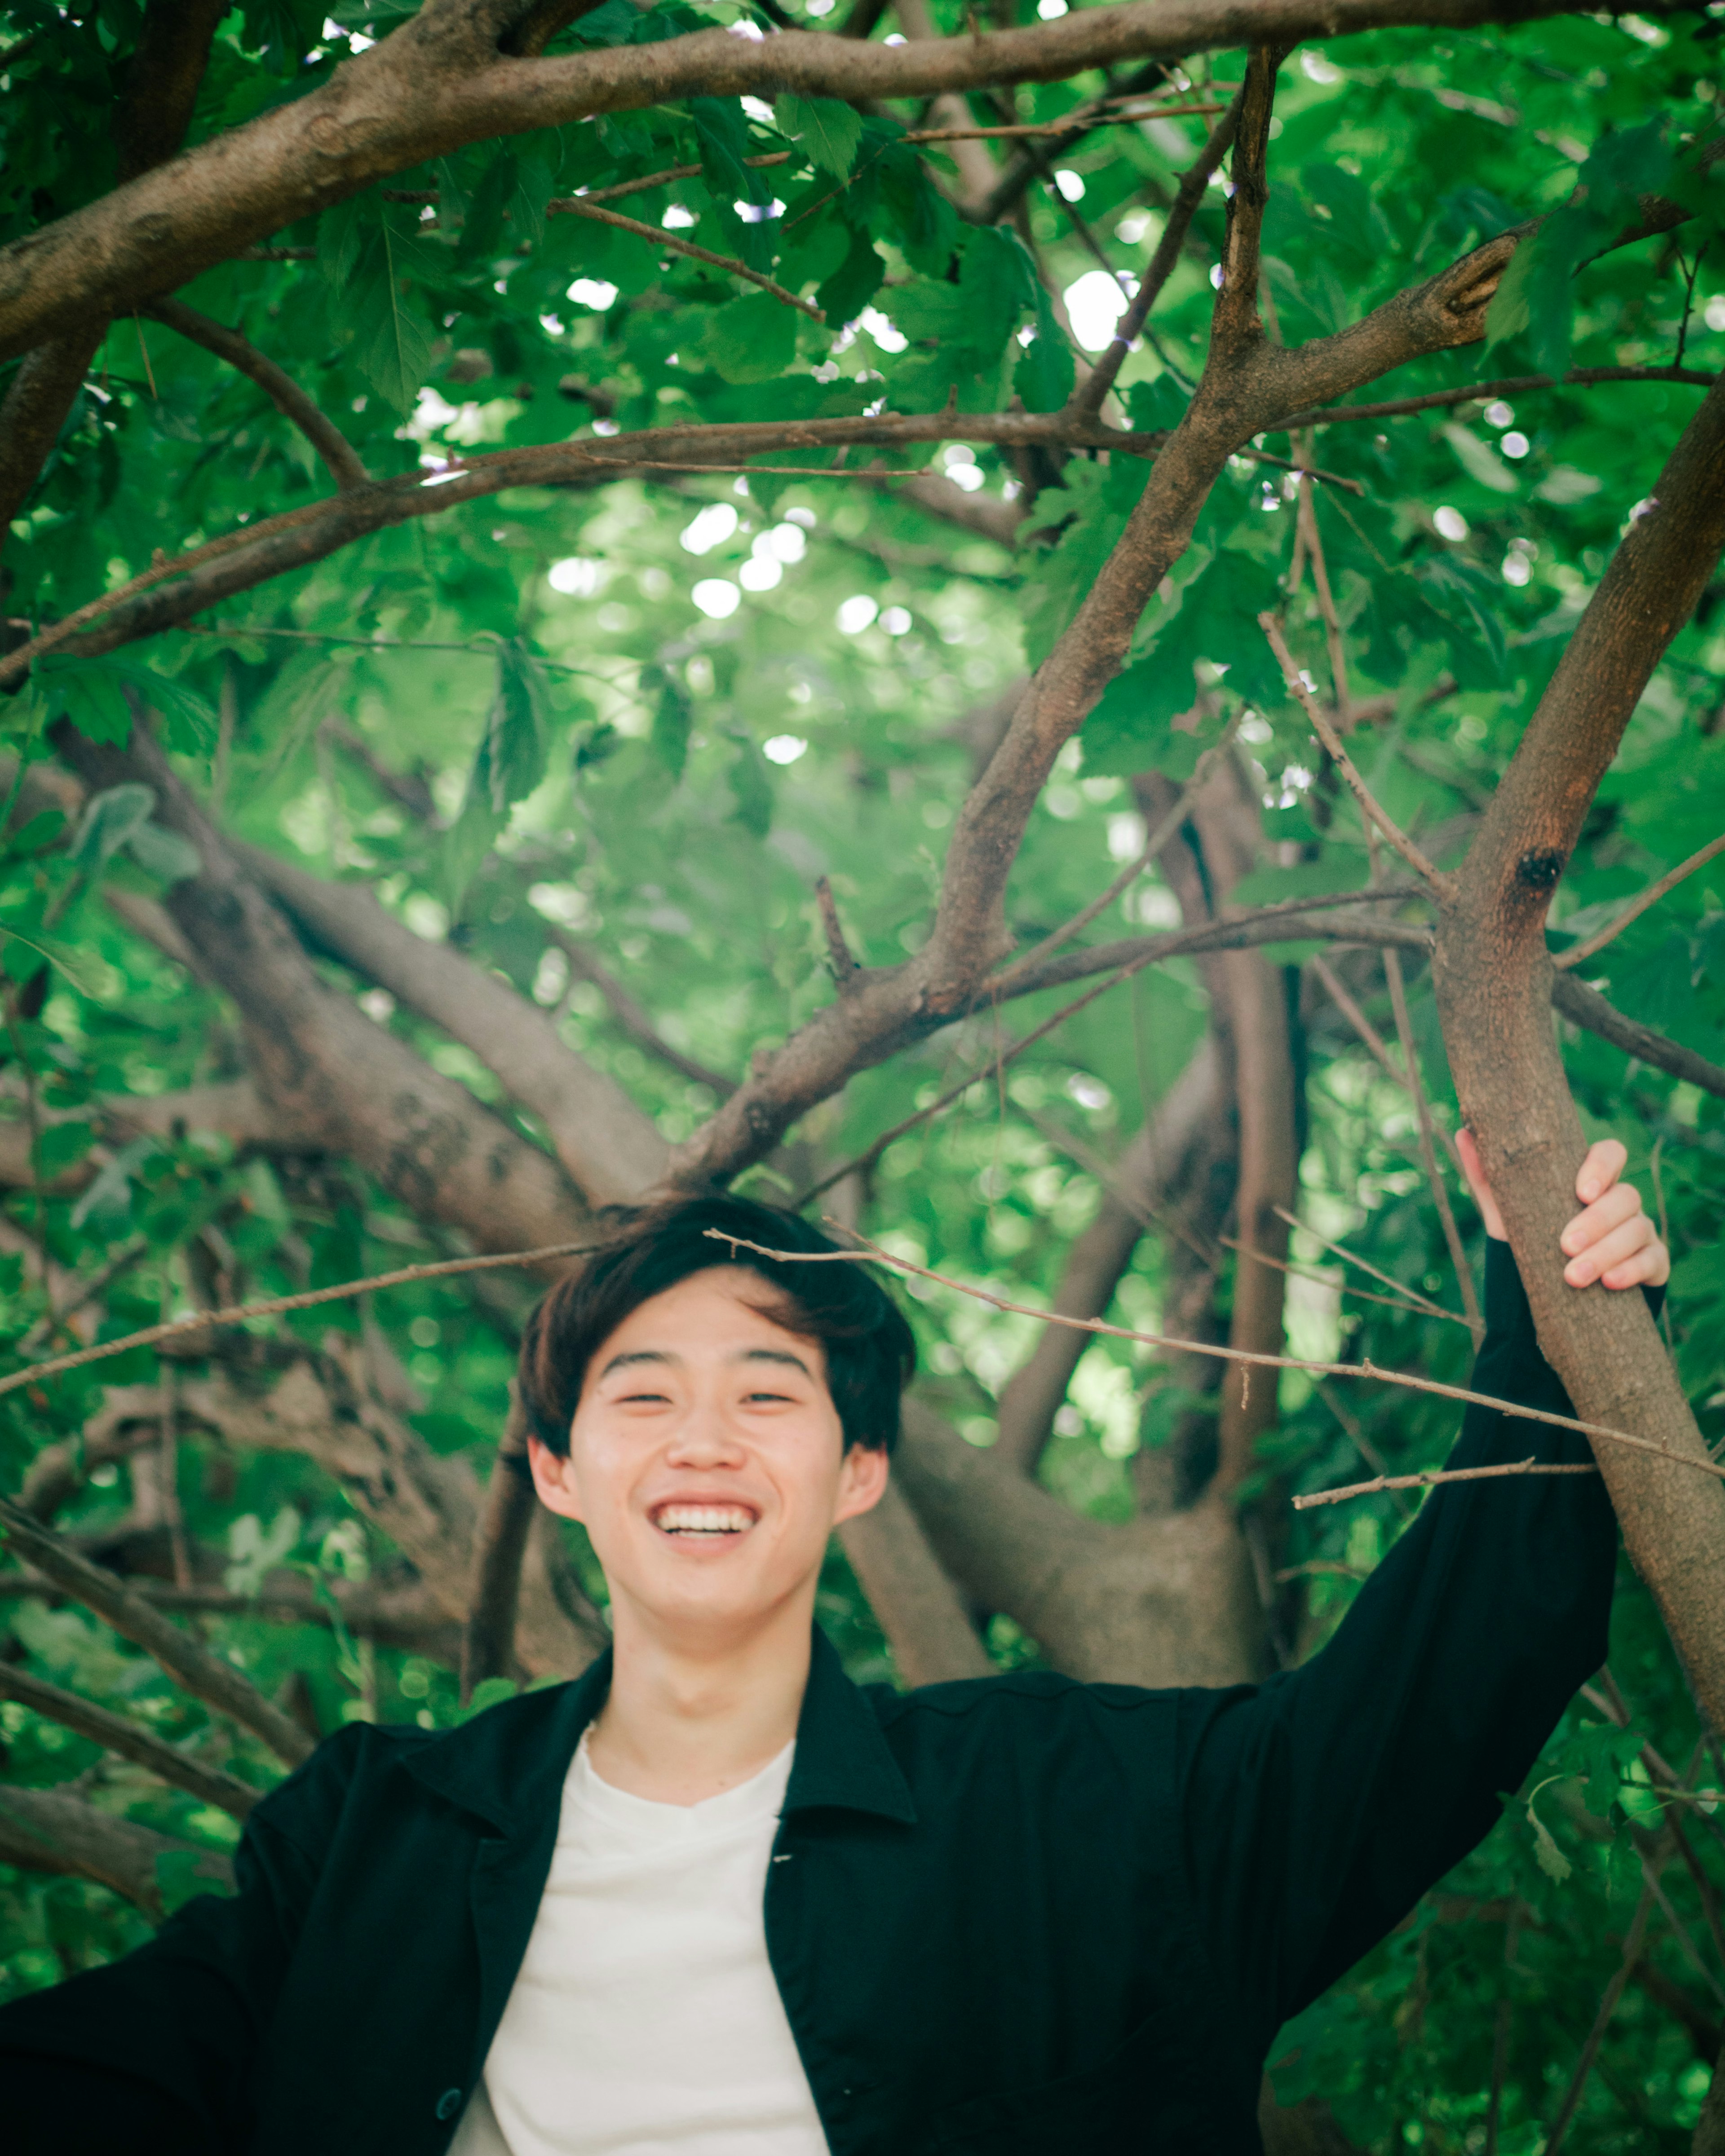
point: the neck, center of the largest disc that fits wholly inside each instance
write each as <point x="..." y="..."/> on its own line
<point x="688" y="1716"/>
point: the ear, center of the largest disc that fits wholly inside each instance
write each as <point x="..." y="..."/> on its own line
<point x="862" y="1481"/>
<point x="552" y="1480"/>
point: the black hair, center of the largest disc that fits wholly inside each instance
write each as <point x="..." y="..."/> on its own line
<point x="871" y="1354"/>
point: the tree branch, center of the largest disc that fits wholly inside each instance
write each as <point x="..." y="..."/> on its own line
<point x="1193" y="181"/>
<point x="1494" y="980"/>
<point x="1483" y="392"/>
<point x="631" y="1018"/>
<point x="1637" y="905"/>
<point x="36" y="402"/>
<point x="915" y="1602"/>
<point x="41" y="1830"/>
<point x="434" y="85"/>
<point x="319" y="1060"/>
<point x="1428" y="1150"/>
<point x="128" y="1741"/>
<point x="205" y="1675"/>
<point x="1586" y="1007"/>
<point x="1442" y="885"/>
<point x="607" y="1147"/>
<point x="338" y="456"/>
<point x="1431" y="1477"/>
<point x="500" y="1543"/>
<point x="1098" y="1259"/>
<point x="579" y="206"/>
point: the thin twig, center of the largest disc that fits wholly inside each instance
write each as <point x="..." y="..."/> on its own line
<point x="1484" y="393"/>
<point x="1297" y="1272"/>
<point x="1430" y="1477"/>
<point x="580" y="206"/>
<point x="127" y="1741"/>
<point x="1428" y="1150"/>
<point x="1153" y="843"/>
<point x="1308" y="531"/>
<point x="840" y="955"/>
<point x="1442" y="885"/>
<point x="1639" y="904"/>
<point x="1363" y="1444"/>
<point x="1632" y="1946"/>
<point x="239" y="1313"/>
<point x="1190" y="193"/>
<point x="872" y="1253"/>
<point x="1338" y="995"/>
<point x="1424" y="1303"/>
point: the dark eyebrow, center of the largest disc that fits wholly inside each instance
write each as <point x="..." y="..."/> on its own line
<point x="776" y="1355"/>
<point x="640" y="1355"/>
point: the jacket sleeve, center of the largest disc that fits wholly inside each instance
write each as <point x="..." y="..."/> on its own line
<point x="158" y="2048"/>
<point x="1318" y="1807"/>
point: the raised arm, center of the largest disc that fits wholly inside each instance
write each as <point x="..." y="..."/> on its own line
<point x="1321" y="1805"/>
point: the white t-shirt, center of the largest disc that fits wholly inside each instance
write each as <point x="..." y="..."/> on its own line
<point x="644" y="2019"/>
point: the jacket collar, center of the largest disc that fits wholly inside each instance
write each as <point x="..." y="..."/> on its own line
<point x="508" y="1765"/>
<point x="843" y="1759"/>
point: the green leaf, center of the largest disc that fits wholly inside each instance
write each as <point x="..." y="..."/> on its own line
<point x="165" y="854"/>
<point x="669" y="736"/>
<point x="1551" y="1859"/>
<point x="749" y="340"/>
<point x="751" y="788"/>
<point x="721" y="137"/>
<point x="109" y="820"/>
<point x="1045" y="373"/>
<point x="997" y="283"/>
<point x="828" y="130"/>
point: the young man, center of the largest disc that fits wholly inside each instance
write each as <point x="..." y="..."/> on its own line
<point x="711" y="1900"/>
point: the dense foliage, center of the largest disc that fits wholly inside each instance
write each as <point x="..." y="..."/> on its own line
<point x="640" y="716"/>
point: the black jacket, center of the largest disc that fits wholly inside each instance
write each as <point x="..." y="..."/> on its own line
<point x="1013" y="1915"/>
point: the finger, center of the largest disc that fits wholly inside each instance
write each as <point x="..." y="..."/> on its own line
<point x="1620" y="1202"/>
<point x="1611" y="1250"/>
<point x="1649" y="1267"/>
<point x="1606" y="1160"/>
<point x="1474" y="1168"/>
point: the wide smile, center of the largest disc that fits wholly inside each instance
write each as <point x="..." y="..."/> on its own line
<point x="710" y="1524"/>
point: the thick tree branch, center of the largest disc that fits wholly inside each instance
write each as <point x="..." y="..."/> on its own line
<point x="41" y="1830"/>
<point x="128" y="1740"/>
<point x="1494" y="980"/>
<point x="500" y="1543"/>
<point x="36" y="402"/>
<point x="1586" y="1007"/>
<point x="317" y="1058"/>
<point x="914" y="1600"/>
<point x="436" y="84"/>
<point x="205" y="1675"/>
<point x="607" y="1147"/>
<point x="338" y="456"/>
<point x="162" y="79"/>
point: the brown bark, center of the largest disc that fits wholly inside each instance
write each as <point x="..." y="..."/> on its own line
<point x="1153" y="1161"/>
<point x="35" y="409"/>
<point x="607" y="1147"/>
<point x="914" y="1600"/>
<point x="127" y="1740"/>
<point x="1159" y="1601"/>
<point x="440" y="82"/>
<point x="41" y="1830"/>
<point x="320" y="1064"/>
<point x="500" y="1543"/>
<point x="285" y="393"/>
<point x="1494" y="983"/>
<point x="217" y="1683"/>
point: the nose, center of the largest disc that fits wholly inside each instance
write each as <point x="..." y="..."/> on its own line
<point x="706" y="1439"/>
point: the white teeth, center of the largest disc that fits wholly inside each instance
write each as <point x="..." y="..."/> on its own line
<point x="703" y="1519"/>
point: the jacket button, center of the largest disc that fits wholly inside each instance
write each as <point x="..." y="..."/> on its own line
<point x="448" y="2104"/>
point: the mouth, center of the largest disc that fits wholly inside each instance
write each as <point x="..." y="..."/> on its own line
<point x="704" y="1523"/>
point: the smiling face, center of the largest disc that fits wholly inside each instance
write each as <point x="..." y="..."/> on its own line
<point x="707" y="1462"/>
